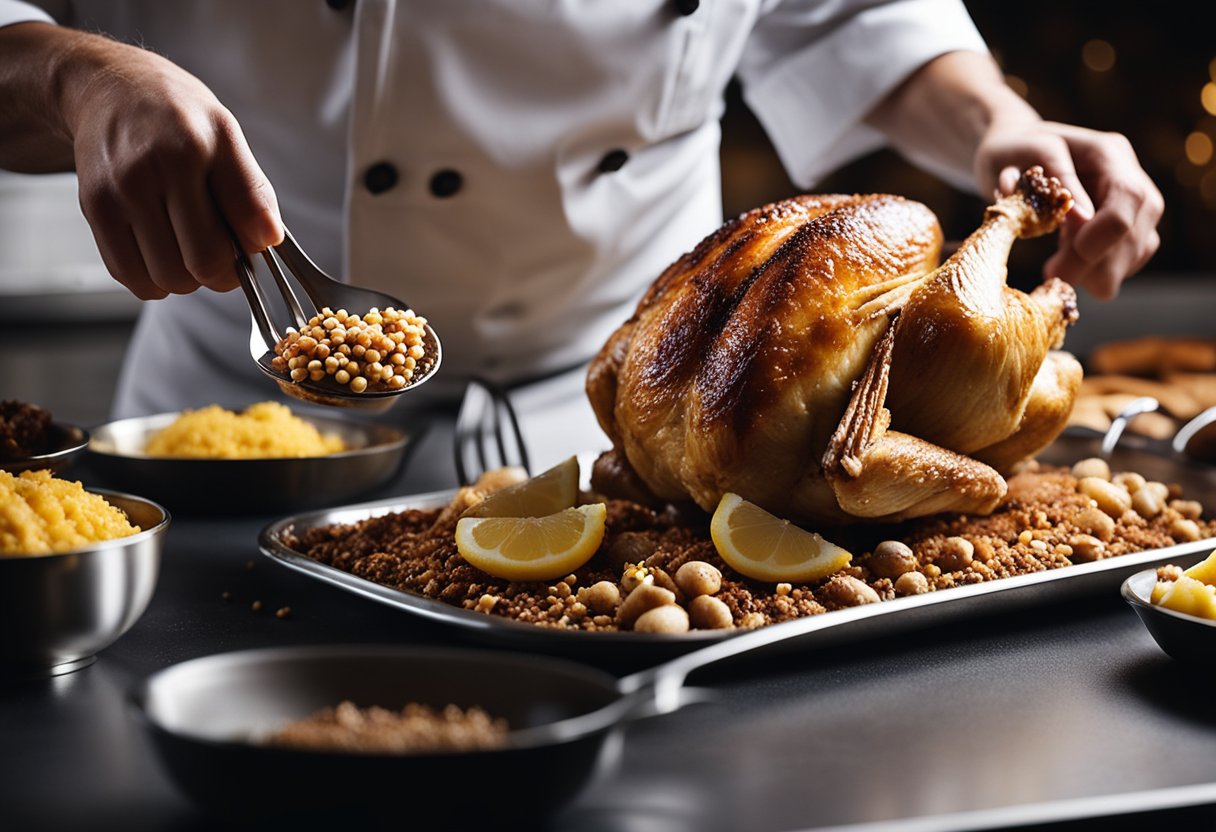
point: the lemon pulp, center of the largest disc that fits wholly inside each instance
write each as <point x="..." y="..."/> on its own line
<point x="532" y="548"/>
<point x="762" y="546"/>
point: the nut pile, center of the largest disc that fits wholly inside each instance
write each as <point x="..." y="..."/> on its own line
<point x="415" y="729"/>
<point x="381" y="350"/>
<point x="658" y="573"/>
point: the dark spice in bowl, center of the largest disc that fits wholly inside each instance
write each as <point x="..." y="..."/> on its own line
<point x="25" y="429"/>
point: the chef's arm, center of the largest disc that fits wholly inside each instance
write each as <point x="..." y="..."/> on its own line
<point x="162" y="165"/>
<point x="956" y="112"/>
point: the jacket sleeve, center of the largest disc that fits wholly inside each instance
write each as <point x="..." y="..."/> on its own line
<point x="812" y="71"/>
<point x="17" y="11"/>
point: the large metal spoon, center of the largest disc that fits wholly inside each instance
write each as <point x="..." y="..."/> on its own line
<point x="322" y="291"/>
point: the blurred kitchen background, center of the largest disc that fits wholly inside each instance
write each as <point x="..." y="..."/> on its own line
<point x="1132" y="67"/>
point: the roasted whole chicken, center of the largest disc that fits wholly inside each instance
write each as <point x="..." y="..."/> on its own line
<point x="814" y="358"/>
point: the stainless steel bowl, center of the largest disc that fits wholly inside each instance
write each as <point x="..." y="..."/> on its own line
<point x="1186" y="638"/>
<point x="57" y="611"/>
<point x="247" y="486"/>
<point x="64" y="445"/>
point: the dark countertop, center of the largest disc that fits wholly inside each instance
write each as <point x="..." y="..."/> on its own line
<point x="1069" y="701"/>
<point x="1069" y="711"/>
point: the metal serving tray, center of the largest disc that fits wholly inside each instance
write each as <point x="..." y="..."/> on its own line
<point x="872" y="620"/>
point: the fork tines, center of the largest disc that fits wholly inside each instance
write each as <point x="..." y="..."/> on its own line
<point x="487" y="433"/>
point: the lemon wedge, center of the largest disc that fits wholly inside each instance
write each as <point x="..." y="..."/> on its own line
<point x="757" y="544"/>
<point x="546" y="493"/>
<point x="532" y="548"/>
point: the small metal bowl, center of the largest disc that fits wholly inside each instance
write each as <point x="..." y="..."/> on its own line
<point x="247" y="486"/>
<point x="1186" y="638"/>
<point x="58" y="610"/>
<point x="65" y="444"/>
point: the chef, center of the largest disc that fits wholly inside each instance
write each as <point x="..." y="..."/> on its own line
<point x="516" y="170"/>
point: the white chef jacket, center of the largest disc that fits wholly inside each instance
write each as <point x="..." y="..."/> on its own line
<point x="518" y="171"/>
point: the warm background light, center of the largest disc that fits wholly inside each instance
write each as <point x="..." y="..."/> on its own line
<point x="1208" y="97"/>
<point x="1198" y="148"/>
<point x="1098" y="55"/>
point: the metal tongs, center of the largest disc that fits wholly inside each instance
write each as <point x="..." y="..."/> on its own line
<point x="321" y="291"/>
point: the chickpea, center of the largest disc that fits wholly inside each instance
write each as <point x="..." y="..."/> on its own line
<point x="1184" y="530"/>
<point x="911" y="583"/>
<point x="1092" y="467"/>
<point x="1147" y="503"/>
<point x="340" y="335"/>
<point x="696" y="577"/>
<point x="1111" y="499"/>
<point x="1094" y="521"/>
<point x="957" y="553"/>
<point x="709" y="613"/>
<point x="1130" y="481"/>
<point x="847" y="591"/>
<point x="891" y="559"/>
<point x="643" y="599"/>
<point x="602" y="597"/>
<point x="1160" y="489"/>
<point x="671" y="618"/>
<point x="1190" y="509"/>
<point x="1085" y="548"/>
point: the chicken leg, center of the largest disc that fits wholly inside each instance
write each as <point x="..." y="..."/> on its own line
<point x="967" y="347"/>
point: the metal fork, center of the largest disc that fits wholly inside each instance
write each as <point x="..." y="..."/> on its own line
<point x="322" y="291"/>
<point x="487" y="433"/>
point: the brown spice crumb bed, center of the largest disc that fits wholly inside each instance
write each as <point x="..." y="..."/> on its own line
<point x="414" y="551"/>
<point x="415" y="729"/>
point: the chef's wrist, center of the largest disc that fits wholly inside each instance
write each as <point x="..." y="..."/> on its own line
<point x="82" y="65"/>
<point x="33" y="135"/>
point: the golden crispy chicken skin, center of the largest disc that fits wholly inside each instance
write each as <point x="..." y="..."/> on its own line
<point x="811" y="358"/>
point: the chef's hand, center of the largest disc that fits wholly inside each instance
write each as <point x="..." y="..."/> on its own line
<point x="1111" y="232"/>
<point x="163" y="166"/>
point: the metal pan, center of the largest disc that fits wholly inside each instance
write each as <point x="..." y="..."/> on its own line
<point x="945" y="606"/>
